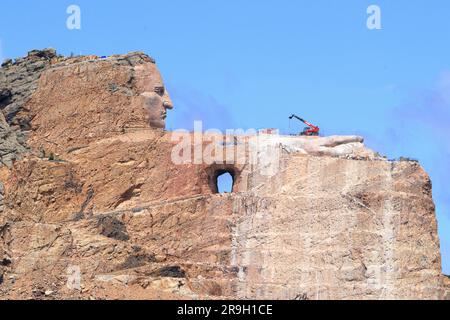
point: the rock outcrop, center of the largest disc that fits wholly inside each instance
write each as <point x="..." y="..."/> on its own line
<point x="18" y="81"/>
<point x="94" y="205"/>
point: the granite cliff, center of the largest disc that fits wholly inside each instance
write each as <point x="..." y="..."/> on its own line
<point x="93" y="205"/>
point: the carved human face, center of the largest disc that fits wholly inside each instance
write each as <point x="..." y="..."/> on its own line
<point x="155" y="97"/>
<point x="157" y="103"/>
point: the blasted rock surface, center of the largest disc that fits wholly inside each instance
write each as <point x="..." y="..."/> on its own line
<point x="18" y="81"/>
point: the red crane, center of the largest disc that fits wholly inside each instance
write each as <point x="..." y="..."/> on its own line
<point x="310" y="130"/>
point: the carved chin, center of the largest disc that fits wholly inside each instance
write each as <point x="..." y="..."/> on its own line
<point x="160" y="124"/>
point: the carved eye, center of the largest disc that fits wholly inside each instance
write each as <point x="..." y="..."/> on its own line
<point x="159" y="90"/>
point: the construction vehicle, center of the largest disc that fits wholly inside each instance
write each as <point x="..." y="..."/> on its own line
<point x="310" y="130"/>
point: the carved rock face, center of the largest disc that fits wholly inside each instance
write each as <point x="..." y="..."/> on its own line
<point x="154" y="95"/>
<point x="83" y="99"/>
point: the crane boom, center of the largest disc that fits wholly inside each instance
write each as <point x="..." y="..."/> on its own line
<point x="312" y="130"/>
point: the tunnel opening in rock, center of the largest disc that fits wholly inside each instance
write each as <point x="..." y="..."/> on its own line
<point x="224" y="182"/>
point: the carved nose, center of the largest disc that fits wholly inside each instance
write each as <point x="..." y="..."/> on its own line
<point x="168" y="105"/>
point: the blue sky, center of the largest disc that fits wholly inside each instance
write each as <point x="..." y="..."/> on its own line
<point x="250" y="64"/>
